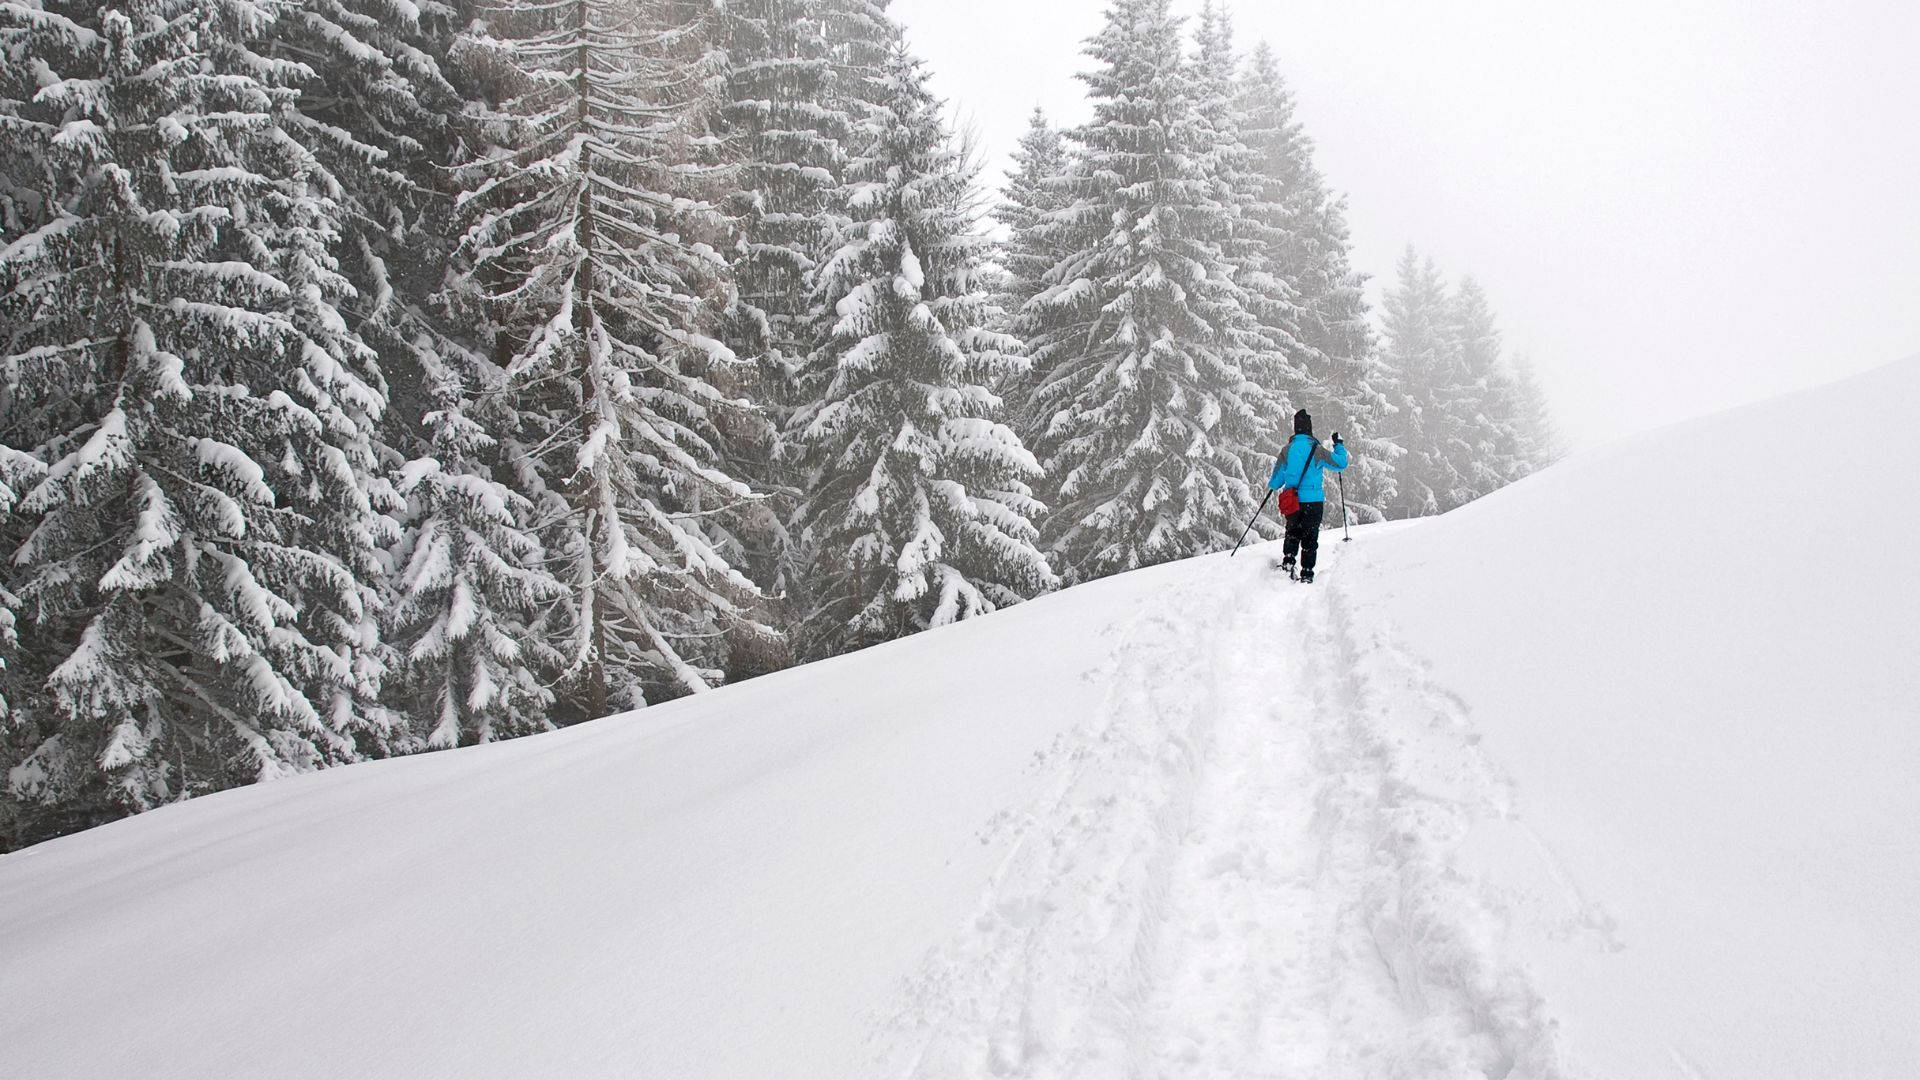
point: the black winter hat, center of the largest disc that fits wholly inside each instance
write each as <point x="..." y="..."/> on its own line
<point x="1303" y="423"/>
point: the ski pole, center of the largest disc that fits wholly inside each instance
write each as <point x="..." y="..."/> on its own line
<point x="1346" y="533"/>
<point x="1256" y="517"/>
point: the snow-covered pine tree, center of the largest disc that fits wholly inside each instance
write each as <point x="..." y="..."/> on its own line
<point x="472" y="582"/>
<point x="752" y="536"/>
<point x="23" y="208"/>
<point x="380" y="114"/>
<point x="917" y="511"/>
<point x="859" y="39"/>
<point x="785" y="134"/>
<point x="1476" y="401"/>
<point x="1142" y="416"/>
<point x="194" y="571"/>
<point x="377" y="113"/>
<point x="1258" y="233"/>
<point x="1349" y="391"/>
<point x="19" y="735"/>
<point x="1418" y="359"/>
<point x="22" y="198"/>
<point x="787" y="111"/>
<point x="800" y="74"/>
<point x="862" y="39"/>
<point x="1032" y="194"/>
<point x="1539" y="442"/>
<point x="588" y="253"/>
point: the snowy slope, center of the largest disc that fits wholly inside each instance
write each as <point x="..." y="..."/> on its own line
<point x="1714" y="727"/>
<point x="1521" y="791"/>
<point x="721" y="886"/>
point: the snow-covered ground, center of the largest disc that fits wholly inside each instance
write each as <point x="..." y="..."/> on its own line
<point x="1547" y="787"/>
<point x="1696" y="659"/>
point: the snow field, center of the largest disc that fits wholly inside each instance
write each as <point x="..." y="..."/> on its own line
<point x="1194" y="826"/>
<point x="729" y="885"/>
<point x="1240" y="872"/>
<point x="1712" y="729"/>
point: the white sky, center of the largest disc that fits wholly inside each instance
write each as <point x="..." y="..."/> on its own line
<point x="1675" y="205"/>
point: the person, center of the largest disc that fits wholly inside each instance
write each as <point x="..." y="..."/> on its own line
<point x="1302" y="466"/>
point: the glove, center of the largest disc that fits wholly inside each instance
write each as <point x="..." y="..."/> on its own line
<point x="1336" y="438"/>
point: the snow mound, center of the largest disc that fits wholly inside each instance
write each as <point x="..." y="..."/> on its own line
<point x="1546" y="787"/>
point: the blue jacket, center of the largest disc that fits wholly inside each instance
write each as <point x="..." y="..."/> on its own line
<point x="1288" y="469"/>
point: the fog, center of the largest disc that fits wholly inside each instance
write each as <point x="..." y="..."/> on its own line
<point x="1675" y="207"/>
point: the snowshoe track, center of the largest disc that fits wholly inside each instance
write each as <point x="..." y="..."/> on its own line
<point x="1243" y="870"/>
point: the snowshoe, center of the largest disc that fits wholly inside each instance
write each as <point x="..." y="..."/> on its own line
<point x="1306" y="577"/>
<point x="1286" y="565"/>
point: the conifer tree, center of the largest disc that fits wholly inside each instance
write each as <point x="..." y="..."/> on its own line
<point x="1475" y="400"/>
<point x="1348" y="391"/>
<point x="793" y="83"/>
<point x="195" y="560"/>
<point x="22" y="172"/>
<point x="20" y="734"/>
<point x="463" y="586"/>
<point x="1418" y="359"/>
<point x="592" y="257"/>
<point x="1258" y="233"/>
<point x="378" y="113"/>
<point x="918" y="512"/>
<point x="24" y="207"/>
<point x="862" y="40"/>
<point x="787" y="135"/>
<point x="471" y="584"/>
<point x="1143" y="416"/>
<point x="1538" y="437"/>
<point x="1032" y="195"/>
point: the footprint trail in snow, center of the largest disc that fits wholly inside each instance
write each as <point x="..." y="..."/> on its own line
<point x="1244" y="869"/>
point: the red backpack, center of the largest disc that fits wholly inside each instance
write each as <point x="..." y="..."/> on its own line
<point x="1289" y="502"/>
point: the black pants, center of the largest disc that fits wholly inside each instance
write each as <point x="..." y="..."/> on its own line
<point x="1303" y="533"/>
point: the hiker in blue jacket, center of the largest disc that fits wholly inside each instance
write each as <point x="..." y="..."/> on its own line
<point x="1302" y="467"/>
